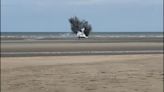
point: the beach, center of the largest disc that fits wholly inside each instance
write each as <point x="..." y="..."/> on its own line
<point x="86" y="65"/>
<point x="82" y="46"/>
<point x="60" y="47"/>
<point x="109" y="73"/>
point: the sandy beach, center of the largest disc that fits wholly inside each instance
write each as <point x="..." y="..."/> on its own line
<point x="112" y="73"/>
<point x="92" y="66"/>
<point x="82" y="46"/>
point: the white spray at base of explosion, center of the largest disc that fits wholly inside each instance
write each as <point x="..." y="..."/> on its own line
<point x="80" y="34"/>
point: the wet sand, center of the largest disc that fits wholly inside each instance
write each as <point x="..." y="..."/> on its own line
<point x="109" y="73"/>
<point x="40" y="47"/>
<point x="32" y="48"/>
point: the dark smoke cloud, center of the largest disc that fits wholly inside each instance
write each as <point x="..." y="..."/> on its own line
<point x="77" y="25"/>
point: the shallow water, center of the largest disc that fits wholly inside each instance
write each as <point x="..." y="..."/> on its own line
<point x="65" y="35"/>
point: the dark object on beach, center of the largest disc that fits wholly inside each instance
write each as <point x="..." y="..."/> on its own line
<point x="79" y="26"/>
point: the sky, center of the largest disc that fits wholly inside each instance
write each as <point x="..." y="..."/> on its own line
<point x="103" y="15"/>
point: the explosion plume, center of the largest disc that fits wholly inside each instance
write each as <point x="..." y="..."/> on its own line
<point x="80" y="27"/>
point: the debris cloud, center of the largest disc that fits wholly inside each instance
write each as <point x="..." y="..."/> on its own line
<point x="81" y="26"/>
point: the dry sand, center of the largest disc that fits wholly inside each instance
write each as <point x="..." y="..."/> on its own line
<point x="109" y="73"/>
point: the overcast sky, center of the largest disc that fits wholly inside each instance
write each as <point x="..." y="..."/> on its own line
<point x="103" y="15"/>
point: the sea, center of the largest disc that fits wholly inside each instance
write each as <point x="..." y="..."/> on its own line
<point x="66" y="35"/>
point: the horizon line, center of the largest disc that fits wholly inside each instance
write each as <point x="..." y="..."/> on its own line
<point x="91" y="32"/>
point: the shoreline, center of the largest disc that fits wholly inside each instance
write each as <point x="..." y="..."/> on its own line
<point x="88" y="40"/>
<point x="78" y="53"/>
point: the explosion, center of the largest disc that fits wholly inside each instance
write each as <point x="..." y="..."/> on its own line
<point x="80" y="27"/>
